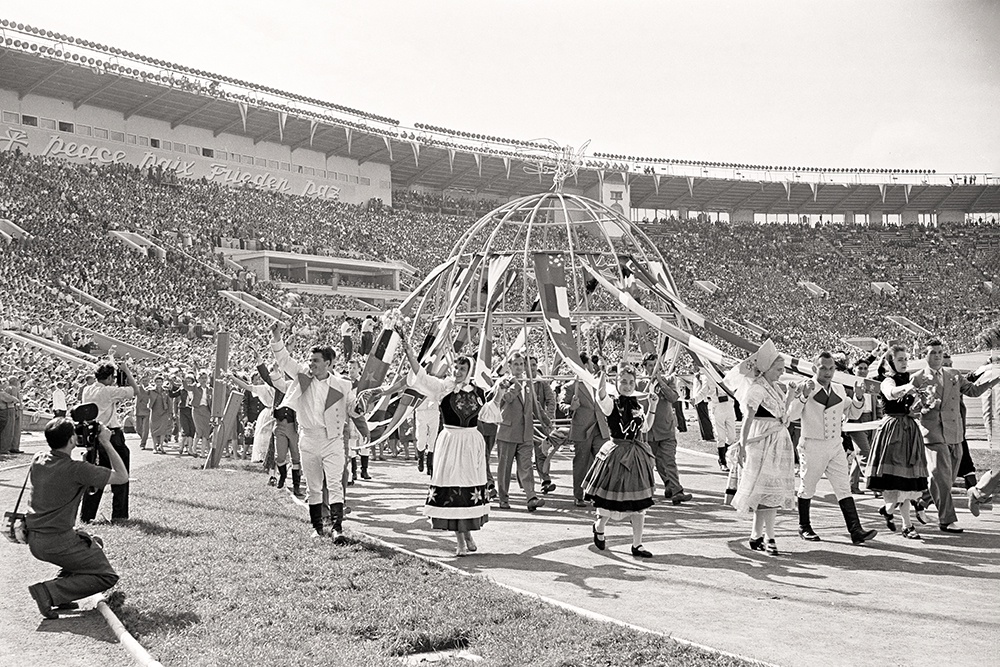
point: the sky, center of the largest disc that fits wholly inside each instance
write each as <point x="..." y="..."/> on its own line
<point x="911" y="84"/>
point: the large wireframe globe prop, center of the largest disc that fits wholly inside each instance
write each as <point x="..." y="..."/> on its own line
<point x="493" y="289"/>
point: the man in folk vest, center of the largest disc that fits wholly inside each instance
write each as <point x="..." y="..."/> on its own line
<point x="322" y="402"/>
<point x="822" y="407"/>
<point x="515" y="434"/>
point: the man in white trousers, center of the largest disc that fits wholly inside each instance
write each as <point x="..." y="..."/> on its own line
<point x="822" y="406"/>
<point x="322" y="403"/>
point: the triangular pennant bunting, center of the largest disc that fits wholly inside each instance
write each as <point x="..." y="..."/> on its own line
<point x="506" y="164"/>
<point x="881" y="189"/>
<point x="906" y="192"/>
<point x="282" y="117"/>
<point x="416" y="152"/>
<point x="479" y="163"/>
<point x="312" y="130"/>
<point x="243" y="114"/>
<point x="388" y="146"/>
<point x="815" y="189"/>
<point x="656" y="183"/>
<point x="348" y="136"/>
<point x="451" y="160"/>
<point x="690" y="180"/>
<point x="788" y="191"/>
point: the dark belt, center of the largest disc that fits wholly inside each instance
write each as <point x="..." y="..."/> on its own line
<point x="723" y="399"/>
<point x="285" y="415"/>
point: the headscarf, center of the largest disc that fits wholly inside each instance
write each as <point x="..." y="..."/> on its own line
<point x="741" y="377"/>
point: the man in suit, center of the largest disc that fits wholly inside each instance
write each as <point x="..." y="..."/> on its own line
<point x="515" y="434"/>
<point x="822" y="407"/>
<point x="942" y="428"/>
<point x="322" y="403"/>
<point x="588" y="429"/>
<point x="545" y="413"/>
<point x="663" y="432"/>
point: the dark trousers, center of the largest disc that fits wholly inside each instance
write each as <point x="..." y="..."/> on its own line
<point x="584" y="453"/>
<point x="7" y="423"/>
<point x="682" y="425"/>
<point x="348" y="344"/>
<point x="704" y="421"/>
<point x="665" y="455"/>
<point x="366" y="342"/>
<point x="119" y="500"/>
<point x="85" y="568"/>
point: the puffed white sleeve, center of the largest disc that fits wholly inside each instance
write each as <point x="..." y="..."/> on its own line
<point x="490" y="413"/>
<point x="428" y="385"/>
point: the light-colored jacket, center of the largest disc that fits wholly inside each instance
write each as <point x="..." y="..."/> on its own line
<point x="943" y="424"/>
<point x="340" y="402"/>
<point x="823" y="413"/>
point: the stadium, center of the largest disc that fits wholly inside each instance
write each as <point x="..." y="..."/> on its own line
<point x="226" y="206"/>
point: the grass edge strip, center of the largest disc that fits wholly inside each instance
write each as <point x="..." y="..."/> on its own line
<point x="130" y="643"/>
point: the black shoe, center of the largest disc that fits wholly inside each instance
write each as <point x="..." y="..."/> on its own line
<point x="599" y="540"/>
<point x="67" y="606"/>
<point x="756" y="543"/>
<point x="920" y="510"/>
<point x="548" y="487"/>
<point x="771" y="548"/>
<point x="889" y="519"/>
<point x="864" y="536"/>
<point x="43" y="600"/>
<point x="950" y="528"/>
<point x="639" y="552"/>
<point x="272" y="481"/>
<point x="808" y="534"/>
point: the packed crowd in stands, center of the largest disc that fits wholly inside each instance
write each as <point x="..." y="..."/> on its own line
<point x="172" y="307"/>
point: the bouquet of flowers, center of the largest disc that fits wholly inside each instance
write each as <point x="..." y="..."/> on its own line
<point x="395" y="319"/>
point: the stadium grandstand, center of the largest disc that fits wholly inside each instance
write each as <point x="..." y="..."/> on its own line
<point x="222" y="202"/>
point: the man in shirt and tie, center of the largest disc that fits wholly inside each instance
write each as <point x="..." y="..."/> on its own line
<point x="515" y="434"/>
<point x="822" y="407"/>
<point x="943" y="430"/>
<point x="322" y="402"/>
<point x="106" y="395"/>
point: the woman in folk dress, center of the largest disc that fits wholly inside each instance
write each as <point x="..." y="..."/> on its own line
<point x="456" y="499"/>
<point x="764" y="452"/>
<point x="620" y="482"/>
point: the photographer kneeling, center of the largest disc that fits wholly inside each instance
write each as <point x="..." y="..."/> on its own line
<point x="58" y="485"/>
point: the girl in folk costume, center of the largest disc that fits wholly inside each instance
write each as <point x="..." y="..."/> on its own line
<point x="456" y="500"/>
<point x="897" y="465"/>
<point x="620" y="482"/>
<point x="764" y="452"/>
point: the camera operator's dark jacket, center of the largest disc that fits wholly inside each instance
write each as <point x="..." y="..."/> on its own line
<point x="58" y="484"/>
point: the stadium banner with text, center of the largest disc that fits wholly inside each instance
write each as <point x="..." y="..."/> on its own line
<point x="281" y="176"/>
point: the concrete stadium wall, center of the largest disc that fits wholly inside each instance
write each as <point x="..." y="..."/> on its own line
<point x="268" y="165"/>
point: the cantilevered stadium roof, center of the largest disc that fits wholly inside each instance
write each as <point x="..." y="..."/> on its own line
<point x="52" y="66"/>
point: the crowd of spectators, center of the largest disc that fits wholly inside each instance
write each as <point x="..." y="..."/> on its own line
<point x="172" y="306"/>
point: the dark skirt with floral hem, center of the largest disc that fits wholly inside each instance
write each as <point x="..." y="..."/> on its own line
<point x="897" y="461"/>
<point x="621" y="478"/>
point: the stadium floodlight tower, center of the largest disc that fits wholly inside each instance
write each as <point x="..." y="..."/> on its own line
<point x="554" y="274"/>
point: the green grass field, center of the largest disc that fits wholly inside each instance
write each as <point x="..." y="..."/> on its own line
<point x="222" y="570"/>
